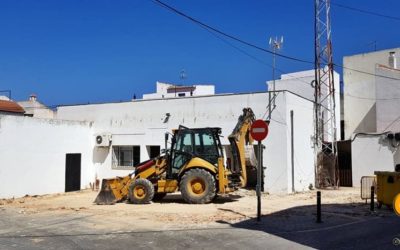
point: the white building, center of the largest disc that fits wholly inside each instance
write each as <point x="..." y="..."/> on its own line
<point x="372" y="153"/>
<point x="56" y="155"/>
<point x="371" y="99"/>
<point x="167" y="90"/>
<point x="137" y="130"/>
<point x="298" y="82"/>
<point x="39" y="156"/>
<point x="36" y="109"/>
<point x="302" y="84"/>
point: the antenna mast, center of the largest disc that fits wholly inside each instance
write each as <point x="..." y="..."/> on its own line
<point x="275" y="44"/>
<point x="326" y="171"/>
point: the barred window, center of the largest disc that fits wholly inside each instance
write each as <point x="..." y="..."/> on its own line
<point x="125" y="157"/>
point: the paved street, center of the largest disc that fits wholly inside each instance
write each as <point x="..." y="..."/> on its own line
<point x="277" y="231"/>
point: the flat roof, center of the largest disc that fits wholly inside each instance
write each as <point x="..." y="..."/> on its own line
<point x="186" y="97"/>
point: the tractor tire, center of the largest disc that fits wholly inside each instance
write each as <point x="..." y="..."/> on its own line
<point x="159" y="196"/>
<point x="198" y="186"/>
<point x="141" y="191"/>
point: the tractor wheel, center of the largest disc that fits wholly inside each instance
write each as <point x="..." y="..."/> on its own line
<point x="141" y="191"/>
<point x="159" y="196"/>
<point x="197" y="186"/>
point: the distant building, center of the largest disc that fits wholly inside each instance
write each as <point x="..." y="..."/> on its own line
<point x="298" y="82"/>
<point x="167" y="90"/>
<point x="371" y="99"/>
<point x="36" y="109"/>
<point x="9" y="107"/>
<point x="301" y="83"/>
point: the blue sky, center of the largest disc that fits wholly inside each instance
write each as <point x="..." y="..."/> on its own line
<point x="70" y="51"/>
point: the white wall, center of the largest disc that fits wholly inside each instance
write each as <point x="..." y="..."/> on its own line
<point x="372" y="153"/>
<point x="204" y="90"/>
<point x="33" y="152"/>
<point x="300" y="83"/>
<point x="162" y="91"/>
<point x="387" y="100"/>
<point x="276" y="152"/>
<point x="36" y="109"/>
<point x="143" y="123"/>
<point x="360" y="90"/>
<point x="297" y="82"/>
<point x="304" y="173"/>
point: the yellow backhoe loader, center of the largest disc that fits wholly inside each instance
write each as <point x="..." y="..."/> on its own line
<point x="194" y="165"/>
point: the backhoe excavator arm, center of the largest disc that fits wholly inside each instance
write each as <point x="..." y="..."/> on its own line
<point x="240" y="137"/>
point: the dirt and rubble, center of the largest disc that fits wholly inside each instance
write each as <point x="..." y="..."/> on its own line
<point x="233" y="208"/>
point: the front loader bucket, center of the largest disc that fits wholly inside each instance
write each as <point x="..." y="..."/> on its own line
<point x="106" y="195"/>
<point x="113" y="190"/>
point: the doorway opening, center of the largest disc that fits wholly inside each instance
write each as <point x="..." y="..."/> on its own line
<point x="72" y="172"/>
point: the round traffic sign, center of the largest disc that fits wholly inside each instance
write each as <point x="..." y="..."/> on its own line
<point x="259" y="130"/>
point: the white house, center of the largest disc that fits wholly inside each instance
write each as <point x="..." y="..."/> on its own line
<point x="41" y="156"/>
<point x="302" y="84"/>
<point x="167" y="90"/>
<point x="36" y="109"/>
<point x="60" y="154"/>
<point x="373" y="152"/>
<point x="371" y="97"/>
<point x="137" y="130"/>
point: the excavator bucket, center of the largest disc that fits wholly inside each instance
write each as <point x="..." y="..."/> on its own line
<point x="113" y="190"/>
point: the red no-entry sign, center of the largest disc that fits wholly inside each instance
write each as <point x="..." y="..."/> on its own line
<point x="259" y="130"/>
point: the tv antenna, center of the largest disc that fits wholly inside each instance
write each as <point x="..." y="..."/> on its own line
<point x="183" y="75"/>
<point x="275" y="44"/>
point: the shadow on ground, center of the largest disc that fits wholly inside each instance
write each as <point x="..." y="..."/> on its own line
<point x="343" y="226"/>
<point x="177" y="198"/>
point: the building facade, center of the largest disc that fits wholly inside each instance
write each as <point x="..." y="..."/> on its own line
<point x="50" y="154"/>
<point x="136" y="132"/>
<point x="167" y="90"/>
<point x="34" y="108"/>
<point x="371" y="92"/>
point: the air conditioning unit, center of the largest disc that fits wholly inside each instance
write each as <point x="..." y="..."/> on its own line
<point x="103" y="140"/>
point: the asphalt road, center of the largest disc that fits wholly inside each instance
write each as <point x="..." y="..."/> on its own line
<point x="47" y="231"/>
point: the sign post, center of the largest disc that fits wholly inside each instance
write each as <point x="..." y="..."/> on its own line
<point x="259" y="131"/>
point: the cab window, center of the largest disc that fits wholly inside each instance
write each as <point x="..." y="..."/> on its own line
<point x="206" y="147"/>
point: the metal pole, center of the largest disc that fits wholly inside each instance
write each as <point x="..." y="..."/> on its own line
<point x="269" y="104"/>
<point x="270" y="100"/>
<point x="319" y="207"/>
<point x="292" y="147"/>
<point x="372" y="205"/>
<point x="262" y="170"/>
<point x="273" y="76"/>
<point x="258" y="189"/>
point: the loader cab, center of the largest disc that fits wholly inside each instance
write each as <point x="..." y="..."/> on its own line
<point x="189" y="143"/>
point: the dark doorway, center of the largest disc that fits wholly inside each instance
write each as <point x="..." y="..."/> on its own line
<point x="344" y="161"/>
<point x="72" y="172"/>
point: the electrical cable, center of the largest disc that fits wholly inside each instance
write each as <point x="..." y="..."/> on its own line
<point x="206" y="26"/>
<point x="366" y="73"/>
<point x="365" y="11"/>
<point x="210" y="28"/>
